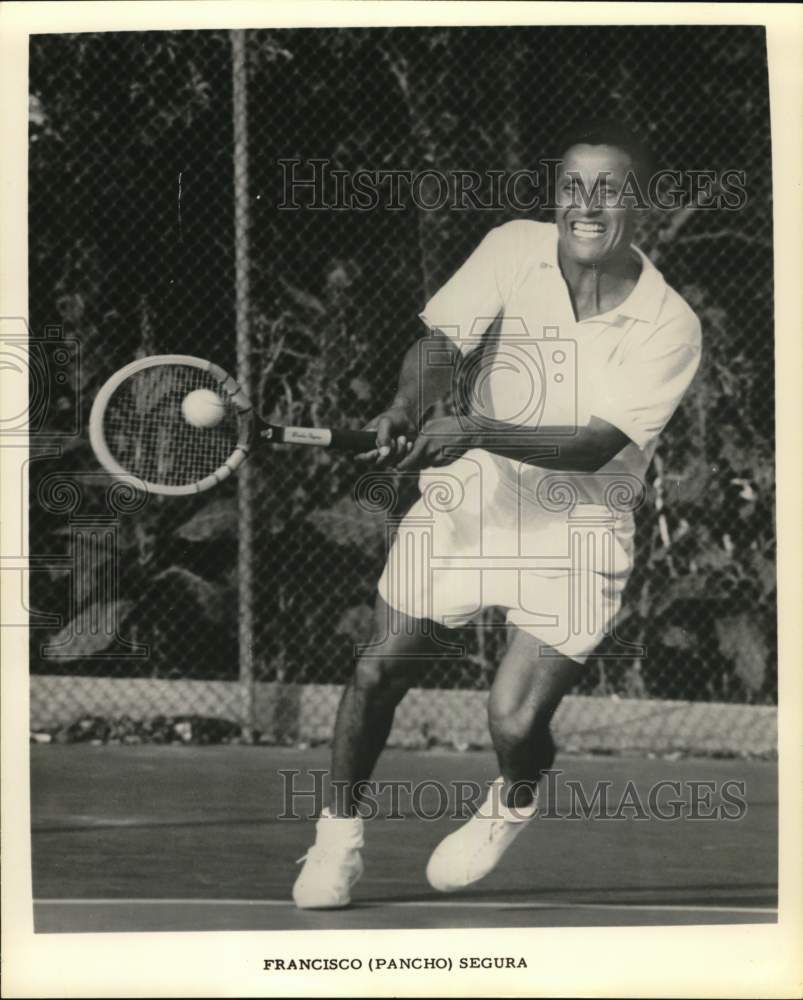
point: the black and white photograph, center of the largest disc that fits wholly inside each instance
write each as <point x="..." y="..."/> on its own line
<point x="400" y="485"/>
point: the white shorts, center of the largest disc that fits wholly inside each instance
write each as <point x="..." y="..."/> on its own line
<point x="473" y="541"/>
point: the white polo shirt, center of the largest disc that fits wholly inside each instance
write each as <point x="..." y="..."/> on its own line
<point x="630" y="365"/>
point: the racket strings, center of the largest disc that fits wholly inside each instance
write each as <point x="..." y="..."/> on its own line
<point x="149" y="436"/>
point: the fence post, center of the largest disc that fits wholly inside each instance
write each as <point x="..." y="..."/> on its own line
<point x="242" y="298"/>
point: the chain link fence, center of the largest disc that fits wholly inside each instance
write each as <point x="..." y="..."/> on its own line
<point x="184" y="199"/>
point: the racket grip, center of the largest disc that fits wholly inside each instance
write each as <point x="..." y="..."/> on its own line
<point x="356" y="441"/>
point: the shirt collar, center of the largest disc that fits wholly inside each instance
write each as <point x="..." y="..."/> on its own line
<point x="645" y="299"/>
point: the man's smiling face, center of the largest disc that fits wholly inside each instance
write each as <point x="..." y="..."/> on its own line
<point x="592" y="225"/>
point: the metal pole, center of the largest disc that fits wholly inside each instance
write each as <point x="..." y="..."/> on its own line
<point x="242" y="296"/>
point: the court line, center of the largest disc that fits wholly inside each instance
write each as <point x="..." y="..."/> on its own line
<point x="427" y="904"/>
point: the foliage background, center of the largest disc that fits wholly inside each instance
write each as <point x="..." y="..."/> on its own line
<point x="131" y="251"/>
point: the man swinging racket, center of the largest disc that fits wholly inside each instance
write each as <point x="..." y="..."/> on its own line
<point x="579" y="308"/>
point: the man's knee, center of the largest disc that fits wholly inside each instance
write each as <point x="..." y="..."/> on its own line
<point x="382" y="675"/>
<point x="517" y="719"/>
<point x="513" y="727"/>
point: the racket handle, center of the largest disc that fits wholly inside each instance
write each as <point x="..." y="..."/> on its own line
<point x="343" y="440"/>
<point x="356" y="441"/>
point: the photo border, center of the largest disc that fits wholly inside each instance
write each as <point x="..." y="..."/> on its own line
<point x="733" y="961"/>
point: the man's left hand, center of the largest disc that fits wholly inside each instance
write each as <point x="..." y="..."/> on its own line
<point x="439" y="442"/>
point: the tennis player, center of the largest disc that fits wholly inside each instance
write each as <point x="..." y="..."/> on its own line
<point x="589" y="353"/>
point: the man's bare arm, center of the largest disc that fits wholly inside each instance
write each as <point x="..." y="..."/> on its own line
<point x="426" y="376"/>
<point x="580" y="449"/>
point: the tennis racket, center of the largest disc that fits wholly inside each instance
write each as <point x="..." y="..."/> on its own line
<point x="139" y="431"/>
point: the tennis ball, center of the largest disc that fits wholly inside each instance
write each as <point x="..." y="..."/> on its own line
<point x="203" y="408"/>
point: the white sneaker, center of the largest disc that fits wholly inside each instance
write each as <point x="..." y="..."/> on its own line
<point x="473" y="851"/>
<point x="332" y="865"/>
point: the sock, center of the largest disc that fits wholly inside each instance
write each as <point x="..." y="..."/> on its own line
<point x="340" y="831"/>
<point x="495" y="807"/>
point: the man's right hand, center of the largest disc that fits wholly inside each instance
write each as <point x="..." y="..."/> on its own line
<point x="395" y="432"/>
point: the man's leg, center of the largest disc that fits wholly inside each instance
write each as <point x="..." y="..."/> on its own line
<point x="526" y="691"/>
<point x="383" y="675"/>
<point x="365" y="715"/>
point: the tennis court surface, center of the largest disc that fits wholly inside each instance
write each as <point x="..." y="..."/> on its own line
<point x="187" y="838"/>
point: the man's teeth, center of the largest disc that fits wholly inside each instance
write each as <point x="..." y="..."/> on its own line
<point x="587" y="230"/>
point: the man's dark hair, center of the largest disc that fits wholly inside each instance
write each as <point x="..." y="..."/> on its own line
<point x="607" y="132"/>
